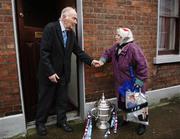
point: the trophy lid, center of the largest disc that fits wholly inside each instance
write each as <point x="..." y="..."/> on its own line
<point x="103" y="103"/>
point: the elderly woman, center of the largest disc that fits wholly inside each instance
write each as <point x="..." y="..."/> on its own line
<point x="124" y="53"/>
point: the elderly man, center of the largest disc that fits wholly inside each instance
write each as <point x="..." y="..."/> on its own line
<point x="57" y="44"/>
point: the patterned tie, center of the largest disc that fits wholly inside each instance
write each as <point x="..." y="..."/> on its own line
<point x="65" y="38"/>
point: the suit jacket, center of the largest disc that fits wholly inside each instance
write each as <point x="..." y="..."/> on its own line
<point x="54" y="58"/>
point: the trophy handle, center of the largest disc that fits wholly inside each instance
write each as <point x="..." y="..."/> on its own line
<point x="92" y="112"/>
<point x="112" y="108"/>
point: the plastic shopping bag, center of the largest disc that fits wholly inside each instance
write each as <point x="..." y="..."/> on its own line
<point x="136" y="107"/>
<point x="139" y="116"/>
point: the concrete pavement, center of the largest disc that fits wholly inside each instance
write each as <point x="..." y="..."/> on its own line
<point x="164" y="124"/>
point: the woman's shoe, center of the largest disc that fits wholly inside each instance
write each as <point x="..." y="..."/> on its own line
<point x="123" y="123"/>
<point x="141" y="129"/>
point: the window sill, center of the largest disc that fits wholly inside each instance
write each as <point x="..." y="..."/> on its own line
<point x="162" y="59"/>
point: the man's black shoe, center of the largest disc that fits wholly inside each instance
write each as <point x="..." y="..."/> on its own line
<point x="65" y="127"/>
<point x="41" y="129"/>
<point x="141" y="129"/>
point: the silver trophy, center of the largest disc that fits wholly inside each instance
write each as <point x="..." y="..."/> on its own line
<point x="102" y="112"/>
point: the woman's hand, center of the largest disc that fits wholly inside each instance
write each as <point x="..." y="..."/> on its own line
<point x="99" y="64"/>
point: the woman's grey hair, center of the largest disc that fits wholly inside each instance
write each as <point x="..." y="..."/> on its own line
<point x="126" y="34"/>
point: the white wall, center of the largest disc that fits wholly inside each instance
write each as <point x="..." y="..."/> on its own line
<point x="73" y="91"/>
<point x="154" y="97"/>
<point x="12" y="125"/>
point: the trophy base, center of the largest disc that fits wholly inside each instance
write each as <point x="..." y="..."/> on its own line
<point x="102" y="125"/>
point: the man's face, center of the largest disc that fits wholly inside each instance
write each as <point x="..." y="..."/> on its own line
<point x="70" y="20"/>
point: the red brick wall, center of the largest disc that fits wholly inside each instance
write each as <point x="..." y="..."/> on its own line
<point x="9" y="87"/>
<point x="166" y="75"/>
<point x="101" y="18"/>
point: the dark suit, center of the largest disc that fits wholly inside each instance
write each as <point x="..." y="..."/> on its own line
<point x="54" y="58"/>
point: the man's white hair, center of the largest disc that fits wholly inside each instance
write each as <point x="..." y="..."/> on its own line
<point x="66" y="11"/>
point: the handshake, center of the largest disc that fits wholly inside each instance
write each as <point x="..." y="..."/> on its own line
<point x="97" y="63"/>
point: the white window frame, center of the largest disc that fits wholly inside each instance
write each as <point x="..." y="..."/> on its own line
<point x="166" y="58"/>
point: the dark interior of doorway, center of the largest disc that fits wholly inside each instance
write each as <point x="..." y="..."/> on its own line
<point x="41" y="12"/>
<point x="37" y="14"/>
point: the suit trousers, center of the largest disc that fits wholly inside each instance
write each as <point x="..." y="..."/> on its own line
<point x="46" y="97"/>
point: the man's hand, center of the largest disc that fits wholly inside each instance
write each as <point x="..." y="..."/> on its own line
<point x="54" y="78"/>
<point x="97" y="63"/>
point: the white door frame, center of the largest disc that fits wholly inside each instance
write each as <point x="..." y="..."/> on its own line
<point x="81" y="77"/>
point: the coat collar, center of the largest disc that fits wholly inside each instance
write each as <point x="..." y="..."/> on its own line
<point x="59" y="32"/>
<point x="60" y="37"/>
<point x="125" y="49"/>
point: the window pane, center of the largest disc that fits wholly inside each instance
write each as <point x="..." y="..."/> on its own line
<point x="167" y="29"/>
<point x="169" y="8"/>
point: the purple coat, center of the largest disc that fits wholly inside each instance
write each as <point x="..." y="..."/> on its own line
<point x="132" y="55"/>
